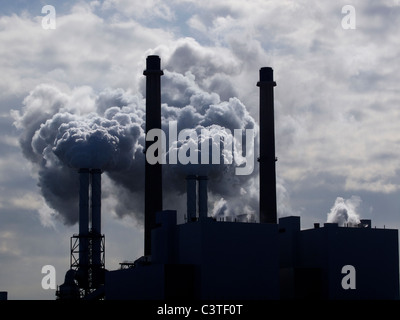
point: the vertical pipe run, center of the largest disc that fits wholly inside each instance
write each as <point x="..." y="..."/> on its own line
<point x="203" y="198"/>
<point x="96" y="216"/>
<point x="191" y="197"/>
<point x="84" y="179"/>
<point x="96" y="200"/>
<point x="268" y="210"/>
<point x="153" y="173"/>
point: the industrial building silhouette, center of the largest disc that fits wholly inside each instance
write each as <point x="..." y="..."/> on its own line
<point x="206" y="259"/>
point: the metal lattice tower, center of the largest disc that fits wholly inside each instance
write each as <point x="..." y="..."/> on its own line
<point x="91" y="276"/>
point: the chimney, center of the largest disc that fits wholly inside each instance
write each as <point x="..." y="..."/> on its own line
<point x="84" y="179"/>
<point x="268" y="211"/>
<point x="153" y="173"/>
<point x="191" y="197"/>
<point x="96" y="217"/>
<point x="203" y="198"/>
<point x="90" y="271"/>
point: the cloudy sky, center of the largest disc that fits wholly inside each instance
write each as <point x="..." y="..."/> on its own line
<point x="337" y="110"/>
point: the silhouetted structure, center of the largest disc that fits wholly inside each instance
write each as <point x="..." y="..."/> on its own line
<point x="87" y="266"/>
<point x="203" y="259"/>
<point x="313" y="262"/>
<point x="267" y="159"/>
<point x="153" y="173"/>
<point x="208" y="259"/>
<point x="216" y="260"/>
<point x="69" y="290"/>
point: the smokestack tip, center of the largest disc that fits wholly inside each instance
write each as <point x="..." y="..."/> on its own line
<point x="153" y="63"/>
<point x="266" y="74"/>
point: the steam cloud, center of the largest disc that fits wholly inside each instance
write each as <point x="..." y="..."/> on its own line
<point x="61" y="132"/>
<point x="345" y="211"/>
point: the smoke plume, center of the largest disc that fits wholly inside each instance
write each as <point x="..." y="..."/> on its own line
<point x="344" y="211"/>
<point x="64" y="131"/>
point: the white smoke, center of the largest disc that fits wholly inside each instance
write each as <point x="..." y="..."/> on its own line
<point x="344" y="211"/>
<point x="108" y="133"/>
<point x="107" y="142"/>
<point x="220" y="208"/>
<point x="58" y="139"/>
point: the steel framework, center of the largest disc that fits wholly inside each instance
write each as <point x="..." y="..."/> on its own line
<point x="92" y="275"/>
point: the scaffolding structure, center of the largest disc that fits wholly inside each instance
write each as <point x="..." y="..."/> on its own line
<point x="91" y="276"/>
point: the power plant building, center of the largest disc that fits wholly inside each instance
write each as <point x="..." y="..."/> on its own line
<point x="218" y="260"/>
<point x="333" y="262"/>
<point x="206" y="259"/>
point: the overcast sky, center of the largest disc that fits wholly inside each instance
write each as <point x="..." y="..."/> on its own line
<point x="337" y="110"/>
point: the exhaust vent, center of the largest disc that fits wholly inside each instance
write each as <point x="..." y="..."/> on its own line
<point x="267" y="159"/>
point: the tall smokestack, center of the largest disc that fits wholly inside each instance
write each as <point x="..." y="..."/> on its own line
<point x="90" y="273"/>
<point x="268" y="212"/>
<point x="96" y="217"/>
<point x="84" y="179"/>
<point x="203" y="198"/>
<point x="191" y="197"/>
<point x="153" y="173"/>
